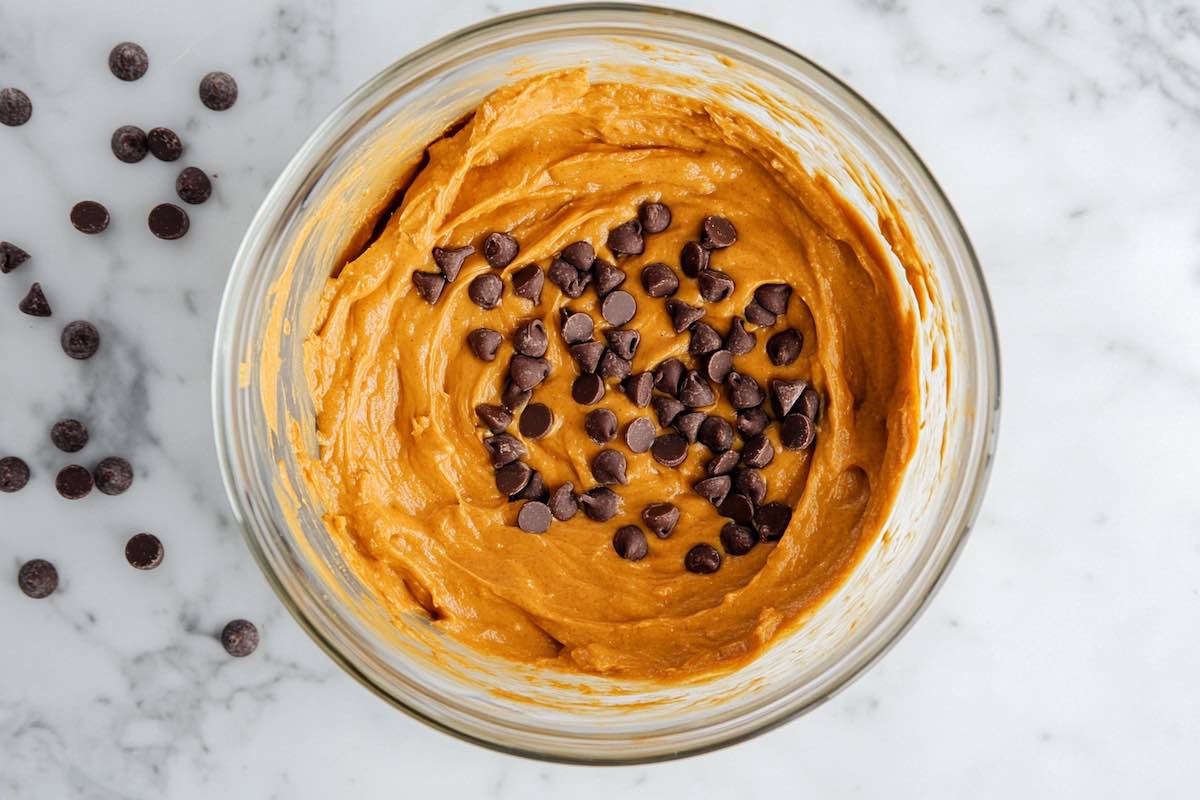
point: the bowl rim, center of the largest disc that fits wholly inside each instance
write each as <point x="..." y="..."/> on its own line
<point x="225" y="383"/>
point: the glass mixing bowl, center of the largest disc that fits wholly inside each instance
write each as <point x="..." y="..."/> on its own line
<point x="263" y="411"/>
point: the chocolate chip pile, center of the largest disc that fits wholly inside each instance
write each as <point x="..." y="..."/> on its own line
<point x="676" y="391"/>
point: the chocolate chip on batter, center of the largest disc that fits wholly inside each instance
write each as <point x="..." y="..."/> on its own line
<point x="34" y="302"/>
<point x="588" y="389"/>
<point x="587" y="355"/>
<point x="80" y="340"/>
<point x="534" y="517"/>
<point x="737" y="539"/>
<point x="716" y="233"/>
<point x="714" y="489"/>
<point x="758" y="452"/>
<point x="168" y="221"/>
<point x="580" y="255"/>
<point x="773" y="297"/>
<point x="526" y="372"/>
<point x="429" y="285"/>
<point x="193" y="186"/>
<point x="37" y="578"/>
<point x="499" y="249"/>
<point x="511" y="478"/>
<point x="630" y="543"/>
<point x="623" y="342"/>
<point x="570" y="280"/>
<point x="128" y="61"/>
<point x="655" y="217"/>
<point x="739" y="341"/>
<point x="784" y="394"/>
<point x="486" y="290"/>
<point x="722" y="463"/>
<point x="527" y="283"/>
<point x="618" y="307"/>
<point x="638" y="388"/>
<point x="809" y="404"/>
<point x="218" y="91"/>
<point x="114" y="475"/>
<point x="144" y="551"/>
<point x="659" y="280"/>
<point x="751" y="484"/>
<point x="737" y="507"/>
<point x="668" y="374"/>
<point x="639" y="435"/>
<point x="513" y="397"/>
<point x="530" y="339"/>
<point x="606" y="277"/>
<point x="89" y="217"/>
<point x="702" y="559"/>
<point x="128" y="144"/>
<point x="73" y="482"/>
<point x="692" y="259"/>
<point x="11" y="257"/>
<point x="69" y="435"/>
<point x="600" y="504"/>
<point x="600" y="425"/>
<point x="771" y="521"/>
<point x="612" y="366"/>
<point x="535" y="489"/>
<point x="608" y="468"/>
<point x="689" y="424"/>
<point x="15" y="107"/>
<point x="576" y="327"/>
<point x="670" y="449"/>
<point x="484" y="342"/>
<point x="563" y="502"/>
<point x="450" y="260"/>
<point x="536" y="421"/>
<point x="495" y="418"/>
<point x="704" y="339"/>
<point x="14" y="474"/>
<point x="715" y="285"/>
<point x="797" y="432"/>
<point x="759" y="316"/>
<point x="682" y="315"/>
<point x="743" y="391"/>
<point x="716" y="434"/>
<point x="164" y="144"/>
<point x="751" y="422"/>
<point x="626" y="239"/>
<point x="717" y="365"/>
<point x="504" y="449"/>
<point x="660" y="518"/>
<point x="694" y="391"/>
<point x="666" y="409"/>
<point x="784" y="347"/>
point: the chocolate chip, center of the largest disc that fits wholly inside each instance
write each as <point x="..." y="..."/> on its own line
<point x="168" y="221"/>
<point x="73" y="482"/>
<point x="714" y="285"/>
<point x="639" y="435"/>
<point x="654" y="217"/>
<point x="714" y="489"/>
<point x="89" y="217"/>
<point x="128" y="61"/>
<point x="659" y="280"/>
<point x="600" y="504"/>
<point x="494" y="418"/>
<point x="689" y="424"/>
<point x="702" y="559"/>
<point x="613" y="366"/>
<point x="500" y="249"/>
<point x="69" y="435"/>
<point x="737" y="539"/>
<point x="587" y="390"/>
<point x="570" y="280"/>
<point x="563" y="503"/>
<point x="526" y="372"/>
<point x="450" y="261"/>
<point x="626" y="239"/>
<point x="484" y="342"/>
<point x="670" y="449"/>
<point x="37" y="578"/>
<point x="692" y="259"/>
<point x="512" y="478"/>
<point x="638" y="388"/>
<point x="695" y="392"/>
<point x="718" y="365"/>
<point x="576" y="327"/>
<point x="716" y="233"/>
<point x="739" y="341"/>
<point x="683" y="316"/>
<point x="771" y="521"/>
<point x="486" y="290"/>
<point x="114" y="475"/>
<point x="527" y="283"/>
<point x="193" y="186"/>
<point x="660" y="518"/>
<point x="668" y="374"/>
<point x="218" y="91"/>
<point x="587" y="355"/>
<point x="536" y="421"/>
<point x="14" y="474"/>
<point x="580" y="255"/>
<point x="239" y="638"/>
<point x="606" y="277"/>
<point x="80" y="340"/>
<point x="737" y="507"/>
<point x="722" y="464"/>
<point x="809" y="404"/>
<point x="666" y="409"/>
<point x="504" y="449"/>
<point x="784" y="395"/>
<point x="630" y="543"/>
<point x="530" y="339"/>
<point x="773" y="297"/>
<point x="744" y="392"/>
<point x="759" y="316"/>
<point x="751" y="422"/>
<point x="513" y="397"/>
<point x="535" y="489"/>
<point x="797" y="432"/>
<point x="129" y="144"/>
<point x="608" y="468"/>
<point x="758" y="452"/>
<point x="784" y="347"/>
<point x="716" y="434"/>
<point x="429" y="285"/>
<point x="15" y="107"/>
<point x="144" y="551"/>
<point x="34" y="302"/>
<point x="623" y="342"/>
<point x="704" y="339"/>
<point x="11" y="256"/>
<point x="750" y="483"/>
<point x="600" y="425"/>
<point x="618" y="307"/>
<point x="164" y="144"/>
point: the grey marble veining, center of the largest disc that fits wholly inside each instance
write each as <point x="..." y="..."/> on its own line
<point x="1060" y="659"/>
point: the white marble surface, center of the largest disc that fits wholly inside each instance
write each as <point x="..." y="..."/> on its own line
<point x="1062" y="656"/>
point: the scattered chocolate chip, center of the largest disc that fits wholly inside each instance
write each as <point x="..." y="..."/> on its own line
<point x="716" y="233"/>
<point x="773" y="297"/>
<point x="739" y="341"/>
<point x="639" y="435"/>
<point x="193" y="186"/>
<point x="659" y="280"/>
<point x="526" y="372"/>
<point x="535" y="489"/>
<point x="600" y="504"/>
<point x="11" y="257"/>
<point x="797" y="432"/>
<point x="527" y="283"/>
<point x="512" y="478"/>
<point x="660" y="518"/>
<point x="758" y="452"/>
<point x="737" y="539"/>
<point x="689" y="424"/>
<point x="563" y="503"/>
<point x="580" y="255"/>
<point x="670" y="449"/>
<point x="606" y="277"/>
<point x="638" y="388"/>
<point x="15" y="107"/>
<point x="164" y="144"/>
<point x="144" y="551"/>
<point x="626" y="239"/>
<point x="14" y="474"/>
<point x="536" y="421"/>
<point x="588" y="389"/>
<point x="618" y="307"/>
<point x="694" y="391"/>
<point x="630" y="543"/>
<point x="668" y="374"/>
<point x="784" y="347"/>
<point x="587" y="355"/>
<point x="759" y="316"/>
<point x="486" y="290"/>
<point x="513" y="397"/>
<point x="702" y="559"/>
<point x="450" y="261"/>
<point x="576" y="327"/>
<point x="73" y="482"/>
<point x="714" y="489"/>
<point x="718" y="365"/>
<point x="715" y="285"/>
<point x="612" y="366"/>
<point x="80" y="340"/>
<point x="484" y="342"/>
<point x="751" y="422"/>
<point x="666" y="409"/>
<point x="570" y="280"/>
<point x="168" y="221"/>
<point x="744" y="392"/>
<point x="89" y="217"/>
<point x="608" y="468"/>
<point x="218" y="91"/>
<point x="751" y="484"/>
<point x="128" y="61"/>
<point x="692" y="259"/>
<point x="716" y="434"/>
<point x="494" y="418"/>
<point x="809" y="404"/>
<point x="500" y="249"/>
<point x="654" y="217"/>
<point x="623" y="342"/>
<point x="784" y="395"/>
<point x="37" y="578"/>
<point x="34" y="302"/>
<point x="771" y="521"/>
<point x="530" y="339"/>
<point x="504" y="449"/>
<point x="682" y="315"/>
<point x="114" y="475"/>
<point x="129" y="144"/>
<point x="429" y="285"/>
<point x="704" y="339"/>
<point x="737" y="507"/>
<point x="239" y="638"/>
<point x="722" y="463"/>
<point x="69" y="435"/>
